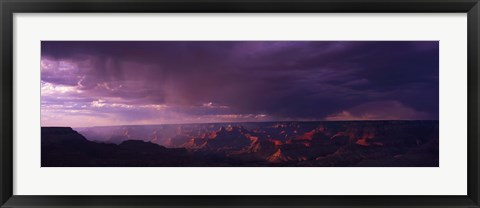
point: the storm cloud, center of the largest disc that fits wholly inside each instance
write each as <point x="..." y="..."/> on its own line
<point x="87" y="83"/>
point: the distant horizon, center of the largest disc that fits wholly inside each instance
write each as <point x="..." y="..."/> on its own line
<point x="290" y="121"/>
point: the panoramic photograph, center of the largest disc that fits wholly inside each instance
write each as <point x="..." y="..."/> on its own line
<point x="239" y="103"/>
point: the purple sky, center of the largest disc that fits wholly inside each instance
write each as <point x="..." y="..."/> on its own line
<point x="90" y="83"/>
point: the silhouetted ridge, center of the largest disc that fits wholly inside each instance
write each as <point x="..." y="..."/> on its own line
<point x="61" y="134"/>
<point x="62" y="146"/>
<point x="137" y="145"/>
<point x="57" y="130"/>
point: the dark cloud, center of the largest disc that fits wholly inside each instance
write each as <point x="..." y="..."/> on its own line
<point x="282" y="79"/>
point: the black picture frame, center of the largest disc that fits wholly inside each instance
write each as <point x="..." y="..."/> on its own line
<point x="9" y="7"/>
